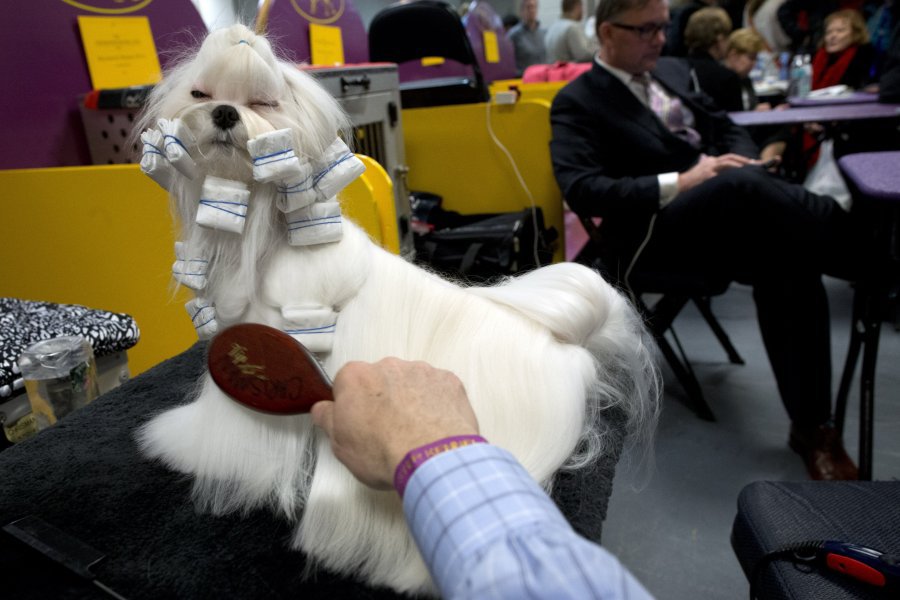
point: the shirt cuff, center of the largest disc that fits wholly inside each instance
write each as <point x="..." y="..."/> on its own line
<point x="668" y="187"/>
<point x="451" y="505"/>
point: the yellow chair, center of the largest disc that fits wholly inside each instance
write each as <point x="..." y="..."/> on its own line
<point x="451" y="152"/>
<point x="369" y="202"/>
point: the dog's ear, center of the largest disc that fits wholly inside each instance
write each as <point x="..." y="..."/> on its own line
<point x="262" y="18"/>
<point x="315" y="112"/>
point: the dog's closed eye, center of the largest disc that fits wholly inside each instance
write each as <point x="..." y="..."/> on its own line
<point x="200" y="95"/>
<point x="263" y="103"/>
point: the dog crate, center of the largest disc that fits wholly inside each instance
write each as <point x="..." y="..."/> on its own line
<point x="370" y="94"/>
<point x="108" y="118"/>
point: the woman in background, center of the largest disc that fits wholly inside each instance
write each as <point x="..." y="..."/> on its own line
<point x="845" y="57"/>
<point x="741" y="51"/>
<point x="706" y="38"/>
<point x="762" y="16"/>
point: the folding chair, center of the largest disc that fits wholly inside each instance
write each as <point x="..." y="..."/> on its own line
<point x="674" y="291"/>
<point x="411" y="31"/>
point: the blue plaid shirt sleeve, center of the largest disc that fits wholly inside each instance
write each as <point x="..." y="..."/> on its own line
<point x="487" y="530"/>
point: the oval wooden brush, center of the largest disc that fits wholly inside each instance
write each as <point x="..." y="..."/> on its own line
<point x="265" y="369"/>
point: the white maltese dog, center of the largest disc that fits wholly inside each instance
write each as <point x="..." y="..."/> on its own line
<point x="249" y="148"/>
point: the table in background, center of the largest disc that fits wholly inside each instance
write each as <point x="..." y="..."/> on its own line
<point x="847" y="98"/>
<point x="817" y="114"/>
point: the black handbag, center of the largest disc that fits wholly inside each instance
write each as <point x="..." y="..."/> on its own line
<point x="480" y="247"/>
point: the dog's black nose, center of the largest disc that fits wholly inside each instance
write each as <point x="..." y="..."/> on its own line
<point x="225" y="116"/>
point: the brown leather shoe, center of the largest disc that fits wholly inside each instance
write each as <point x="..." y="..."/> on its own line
<point x="823" y="452"/>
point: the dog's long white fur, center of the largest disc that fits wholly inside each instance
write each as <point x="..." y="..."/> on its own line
<point x="541" y="355"/>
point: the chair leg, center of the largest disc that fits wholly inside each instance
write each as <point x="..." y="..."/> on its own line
<point x="659" y="320"/>
<point x="704" y="305"/>
<point x="869" y="303"/>
<point x="857" y="326"/>
<point x="871" y="318"/>
<point x="686" y="377"/>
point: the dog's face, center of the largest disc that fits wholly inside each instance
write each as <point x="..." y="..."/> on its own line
<point x="235" y="89"/>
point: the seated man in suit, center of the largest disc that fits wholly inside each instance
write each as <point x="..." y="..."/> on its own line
<point x="684" y="192"/>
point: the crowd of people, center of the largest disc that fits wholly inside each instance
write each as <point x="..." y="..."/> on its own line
<point x="854" y="54"/>
<point x="569" y="39"/>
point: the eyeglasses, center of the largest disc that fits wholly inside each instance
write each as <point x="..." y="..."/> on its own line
<point x="644" y="32"/>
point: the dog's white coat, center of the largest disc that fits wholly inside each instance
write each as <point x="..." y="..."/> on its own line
<point x="540" y="355"/>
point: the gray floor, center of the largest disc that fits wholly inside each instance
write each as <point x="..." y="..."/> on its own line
<point x="672" y="527"/>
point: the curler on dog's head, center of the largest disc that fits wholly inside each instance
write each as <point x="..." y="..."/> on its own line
<point x="267" y="370"/>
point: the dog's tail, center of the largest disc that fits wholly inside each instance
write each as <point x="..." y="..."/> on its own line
<point x="579" y="307"/>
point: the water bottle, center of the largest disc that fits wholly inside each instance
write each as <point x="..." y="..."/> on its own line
<point x="784" y="66"/>
<point x="801" y="75"/>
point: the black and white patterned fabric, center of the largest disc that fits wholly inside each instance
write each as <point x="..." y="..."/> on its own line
<point x="24" y="322"/>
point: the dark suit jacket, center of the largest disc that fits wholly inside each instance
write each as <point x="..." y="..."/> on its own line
<point x="608" y="148"/>
<point x="718" y="82"/>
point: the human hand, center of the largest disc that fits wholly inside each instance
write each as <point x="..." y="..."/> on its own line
<point x="763" y="107"/>
<point x="708" y="167"/>
<point x="383" y="410"/>
<point x="771" y="165"/>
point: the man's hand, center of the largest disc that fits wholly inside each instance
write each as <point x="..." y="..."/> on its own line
<point x="710" y="166"/>
<point x="383" y="410"/>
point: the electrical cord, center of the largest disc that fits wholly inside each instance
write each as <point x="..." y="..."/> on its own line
<point x="515" y="168"/>
<point x="636" y="256"/>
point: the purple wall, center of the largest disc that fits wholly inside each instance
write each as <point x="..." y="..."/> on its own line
<point x="289" y="27"/>
<point x="480" y="18"/>
<point x="43" y="61"/>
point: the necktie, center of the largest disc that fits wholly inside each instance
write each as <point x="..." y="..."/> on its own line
<point x="669" y="109"/>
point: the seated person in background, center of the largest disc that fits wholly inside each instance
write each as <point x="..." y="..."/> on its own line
<point x="881" y="17"/>
<point x="802" y="21"/>
<point x="845" y="58"/>
<point x="385" y="413"/>
<point x="706" y="37"/>
<point x="740" y="56"/>
<point x="527" y="38"/>
<point x="680" y="14"/>
<point x="679" y="190"/>
<point x="889" y="85"/>
<point x="565" y="40"/>
<point x="762" y="17"/>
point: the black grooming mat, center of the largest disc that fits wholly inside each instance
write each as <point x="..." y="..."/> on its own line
<point x="85" y="477"/>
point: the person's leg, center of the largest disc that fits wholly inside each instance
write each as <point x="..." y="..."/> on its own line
<point x="746" y="226"/>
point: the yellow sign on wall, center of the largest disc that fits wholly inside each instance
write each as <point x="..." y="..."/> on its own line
<point x="120" y="51"/>
<point x="491" y="48"/>
<point x="326" y="47"/>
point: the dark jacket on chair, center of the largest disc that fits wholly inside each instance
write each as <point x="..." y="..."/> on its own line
<point x="717" y="81"/>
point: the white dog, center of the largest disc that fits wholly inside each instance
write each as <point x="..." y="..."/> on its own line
<point x="541" y="355"/>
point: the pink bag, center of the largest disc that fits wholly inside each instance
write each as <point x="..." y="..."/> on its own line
<point x="558" y="71"/>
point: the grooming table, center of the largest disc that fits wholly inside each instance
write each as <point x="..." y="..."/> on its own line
<point x="773" y="514"/>
<point x="86" y="477"/>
